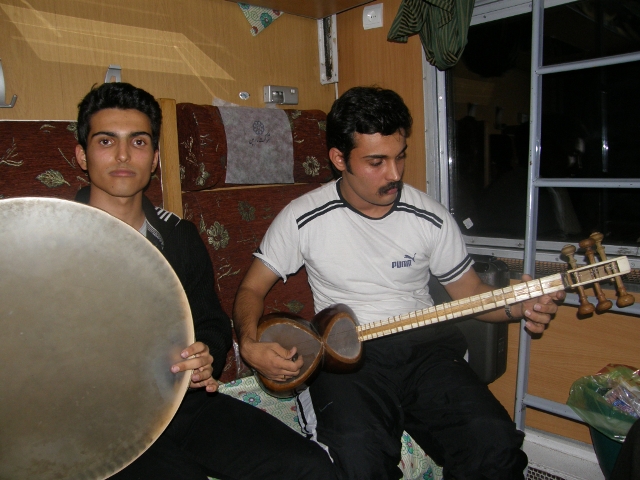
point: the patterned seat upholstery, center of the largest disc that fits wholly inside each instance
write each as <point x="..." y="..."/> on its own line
<point x="203" y="147"/>
<point x="37" y="159"/>
<point x="233" y="218"/>
<point x="232" y="223"/>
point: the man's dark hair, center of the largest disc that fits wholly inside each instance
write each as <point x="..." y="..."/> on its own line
<point x="123" y="96"/>
<point x="366" y="110"/>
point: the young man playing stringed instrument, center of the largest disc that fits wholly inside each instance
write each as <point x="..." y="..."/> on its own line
<point x="371" y="242"/>
<point x="212" y="434"/>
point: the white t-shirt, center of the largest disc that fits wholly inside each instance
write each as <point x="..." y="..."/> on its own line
<point x="378" y="267"/>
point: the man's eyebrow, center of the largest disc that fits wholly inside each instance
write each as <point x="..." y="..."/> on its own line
<point x="137" y="134"/>
<point x="375" y="156"/>
<point x="108" y="134"/>
<point x="130" y="135"/>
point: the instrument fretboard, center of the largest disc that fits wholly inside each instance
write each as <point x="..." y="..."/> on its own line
<point x="477" y="304"/>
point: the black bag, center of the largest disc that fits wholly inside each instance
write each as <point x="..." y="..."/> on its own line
<point x="487" y="342"/>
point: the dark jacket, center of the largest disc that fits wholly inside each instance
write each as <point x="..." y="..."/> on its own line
<point x="181" y="245"/>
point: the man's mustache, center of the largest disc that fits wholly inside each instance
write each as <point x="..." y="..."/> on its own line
<point x="390" y="186"/>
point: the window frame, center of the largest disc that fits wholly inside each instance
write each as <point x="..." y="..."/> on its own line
<point x="439" y="140"/>
<point x="440" y="149"/>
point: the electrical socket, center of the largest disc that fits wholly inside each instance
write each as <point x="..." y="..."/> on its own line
<point x="372" y="16"/>
<point x="280" y="95"/>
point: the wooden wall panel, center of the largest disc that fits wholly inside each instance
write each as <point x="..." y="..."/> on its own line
<point x="365" y="57"/>
<point x="53" y="51"/>
<point x="569" y="349"/>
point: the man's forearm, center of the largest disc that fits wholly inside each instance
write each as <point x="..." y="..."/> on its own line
<point x="247" y="310"/>
<point x="470" y="285"/>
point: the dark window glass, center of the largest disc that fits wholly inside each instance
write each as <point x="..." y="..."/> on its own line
<point x="589" y="130"/>
<point x="591" y="29"/>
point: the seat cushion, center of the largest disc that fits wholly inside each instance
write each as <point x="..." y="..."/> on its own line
<point x="232" y="222"/>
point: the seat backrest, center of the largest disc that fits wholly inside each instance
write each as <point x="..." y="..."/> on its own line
<point x="232" y="218"/>
<point x="37" y="159"/>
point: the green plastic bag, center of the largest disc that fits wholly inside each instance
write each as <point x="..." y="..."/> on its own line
<point x="608" y="401"/>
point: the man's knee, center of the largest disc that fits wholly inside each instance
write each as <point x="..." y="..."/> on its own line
<point x="504" y="458"/>
<point x="493" y="452"/>
<point x="312" y="463"/>
<point x="361" y="455"/>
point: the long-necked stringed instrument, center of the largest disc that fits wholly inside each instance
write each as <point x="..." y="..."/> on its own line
<point x="333" y="339"/>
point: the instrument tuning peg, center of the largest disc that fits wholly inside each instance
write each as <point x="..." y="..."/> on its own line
<point x="603" y="304"/>
<point x="586" y="308"/>
<point x="624" y="299"/>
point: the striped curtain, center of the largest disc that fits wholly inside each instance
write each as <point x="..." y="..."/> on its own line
<point x="441" y="24"/>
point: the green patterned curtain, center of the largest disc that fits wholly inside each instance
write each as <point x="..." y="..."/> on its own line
<point x="441" y="24"/>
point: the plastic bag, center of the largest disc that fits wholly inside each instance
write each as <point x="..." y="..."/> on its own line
<point x="609" y="401"/>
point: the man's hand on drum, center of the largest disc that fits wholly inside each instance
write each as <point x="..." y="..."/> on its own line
<point x="198" y="359"/>
<point x="271" y="359"/>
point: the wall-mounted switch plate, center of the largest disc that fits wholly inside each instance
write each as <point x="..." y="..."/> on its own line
<point x="280" y="95"/>
<point x="372" y="16"/>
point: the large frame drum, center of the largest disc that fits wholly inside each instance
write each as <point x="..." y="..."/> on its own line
<point x="91" y="319"/>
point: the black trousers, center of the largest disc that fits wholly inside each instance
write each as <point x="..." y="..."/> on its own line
<point x="216" y="435"/>
<point x="415" y="381"/>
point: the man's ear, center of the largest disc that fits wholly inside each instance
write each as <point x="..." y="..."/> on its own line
<point x="81" y="157"/>
<point x="338" y="160"/>
<point x="156" y="158"/>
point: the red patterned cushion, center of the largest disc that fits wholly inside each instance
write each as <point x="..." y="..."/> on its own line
<point x="37" y="159"/>
<point x="232" y="222"/>
<point x="203" y="146"/>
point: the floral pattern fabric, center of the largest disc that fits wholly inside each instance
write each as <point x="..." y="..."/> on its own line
<point x="258" y="17"/>
<point x="37" y="159"/>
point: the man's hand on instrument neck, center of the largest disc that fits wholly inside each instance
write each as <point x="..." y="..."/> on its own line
<point x="270" y="359"/>
<point x="538" y="312"/>
<point x="198" y="359"/>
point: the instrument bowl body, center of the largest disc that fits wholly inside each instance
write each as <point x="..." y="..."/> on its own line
<point x="343" y="349"/>
<point x="92" y="318"/>
<point x="290" y="331"/>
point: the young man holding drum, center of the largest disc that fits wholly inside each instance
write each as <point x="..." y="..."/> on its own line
<point x="211" y="434"/>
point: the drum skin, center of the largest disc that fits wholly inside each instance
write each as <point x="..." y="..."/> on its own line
<point x="91" y="318"/>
